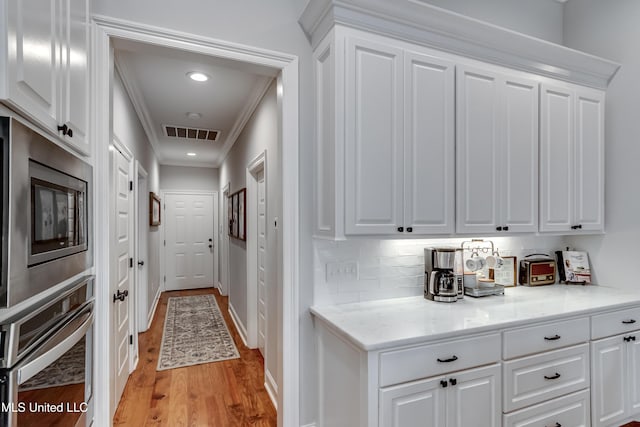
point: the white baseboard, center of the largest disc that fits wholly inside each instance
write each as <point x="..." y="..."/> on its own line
<point x="309" y="425"/>
<point x="152" y="312"/>
<point x="272" y="388"/>
<point x="242" y="331"/>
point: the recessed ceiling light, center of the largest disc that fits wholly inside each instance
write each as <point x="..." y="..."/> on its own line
<point x="194" y="115"/>
<point x="191" y="154"/>
<point x="197" y="76"/>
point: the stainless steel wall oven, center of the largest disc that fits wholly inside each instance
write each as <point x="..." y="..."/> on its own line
<point x="46" y="361"/>
<point x="46" y="213"/>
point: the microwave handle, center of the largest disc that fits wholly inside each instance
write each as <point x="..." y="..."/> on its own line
<point x="52" y="349"/>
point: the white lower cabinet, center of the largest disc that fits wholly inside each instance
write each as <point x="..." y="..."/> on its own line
<point x="616" y="378"/>
<point x="459" y="399"/>
<point x="567" y="411"/>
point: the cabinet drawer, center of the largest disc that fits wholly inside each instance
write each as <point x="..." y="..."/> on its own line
<point x="567" y="411"/>
<point x="413" y="363"/>
<point x="545" y="337"/>
<point x="534" y="379"/>
<point x="617" y="322"/>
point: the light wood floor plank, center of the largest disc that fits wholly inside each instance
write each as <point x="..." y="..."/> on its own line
<point x="221" y="394"/>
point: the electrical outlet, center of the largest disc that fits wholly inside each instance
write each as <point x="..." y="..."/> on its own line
<point x="346" y="270"/>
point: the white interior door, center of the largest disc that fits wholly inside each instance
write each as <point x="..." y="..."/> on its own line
<point x="189" y="236"/>
<point x="262" y="255"/>
<point x="121" y="259"/>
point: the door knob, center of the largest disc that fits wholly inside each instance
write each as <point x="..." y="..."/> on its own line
<point x="120" y="295"/>
<point x="210" y="246"/>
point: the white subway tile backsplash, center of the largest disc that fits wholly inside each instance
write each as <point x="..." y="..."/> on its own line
<point x="395" y="268"/>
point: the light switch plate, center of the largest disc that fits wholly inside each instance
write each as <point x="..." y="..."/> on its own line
<point x="345" y="270"/>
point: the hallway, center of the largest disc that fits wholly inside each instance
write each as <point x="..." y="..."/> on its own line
<point x="225" y="394"/>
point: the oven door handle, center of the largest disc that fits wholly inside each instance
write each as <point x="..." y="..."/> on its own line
<point x="57" y="345"/>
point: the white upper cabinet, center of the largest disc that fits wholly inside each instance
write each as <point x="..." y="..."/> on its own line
<point x="572" y="159"/>
<point x="373" y="138"/>
<point x="385" y="139"/>
<point x="45" y="65"/>
<point x="497" y="152"/>
<point x="429" y="145"/>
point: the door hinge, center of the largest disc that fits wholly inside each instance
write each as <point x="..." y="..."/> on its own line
<point x="131" y="339"/>
<point x="130" y="185"/>
<point x="165" y="243"/>
<point x="165" y="279"/>
<point x="130" y="262"/>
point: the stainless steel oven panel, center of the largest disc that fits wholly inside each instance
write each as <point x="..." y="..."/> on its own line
<point x="4" y="208"/>
<point x="24" y="281"/>
<point x="51" y="350"/>
<point x="11" y="330"/>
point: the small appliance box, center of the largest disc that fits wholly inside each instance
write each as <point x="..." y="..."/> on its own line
<point x="537" y="270"/>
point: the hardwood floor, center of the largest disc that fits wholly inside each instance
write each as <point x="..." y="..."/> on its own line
<point x="222" y="394"/>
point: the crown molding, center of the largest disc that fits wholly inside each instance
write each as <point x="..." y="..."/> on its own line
<point x="417" y="22"/>
<point x="140" y="107"/>
<point x="259" y="90"/>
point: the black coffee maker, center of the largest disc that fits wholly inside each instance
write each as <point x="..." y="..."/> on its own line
<point x="441" y="281"/>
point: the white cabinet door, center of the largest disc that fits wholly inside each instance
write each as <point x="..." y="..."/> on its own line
<point x="556" y="159"/>
<point x="477" y="150"/>
<point x="632" y="373"/>
<point x="589" y="160"/>
<point x="373" y="138"/>
<point x="608" y="379"/>
<point x="412" y="404"/>
<point x="474" y="397"/>
<point x="429" y="162"/>
<point x="74" y="99"/>
<point x="519" y="156"/>
<point x="31" y="81"/>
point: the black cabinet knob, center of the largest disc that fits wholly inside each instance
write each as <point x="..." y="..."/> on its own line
<point x="498" y="228"/>
<point x="140" y="263"/>
<point x="409" y="229"/>
<point x="443" y="383"/>
<point x="400" y="229"/>
<point x="505" y="228"/>
<point x="453" y="381"/>
<point x="70" y="133"/>
<point x="63" y="129"/>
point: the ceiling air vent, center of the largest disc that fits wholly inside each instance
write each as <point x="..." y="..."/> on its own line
<point x="190" y="133"/>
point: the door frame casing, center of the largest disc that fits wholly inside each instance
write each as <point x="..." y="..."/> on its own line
<point x="105" y="28"/>
<point x="162" y="230"/>
<point x="223" y="286"/>
<point x="142" y="289"/>
<point x="254" y="166"/>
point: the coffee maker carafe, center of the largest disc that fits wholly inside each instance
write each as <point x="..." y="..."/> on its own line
<point x="443" y="274"/>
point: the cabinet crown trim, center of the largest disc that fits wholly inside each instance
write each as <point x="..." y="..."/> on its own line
<point x="418" y="22"/>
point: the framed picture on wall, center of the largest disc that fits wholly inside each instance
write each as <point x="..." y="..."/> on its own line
<point x="238" y="215"/>
<point x="230" y="214"/>
<point x="242" y="223"/>
<point x="154" y="209"/>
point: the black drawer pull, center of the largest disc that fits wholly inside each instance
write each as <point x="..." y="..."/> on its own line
<point x="555" y="425"/>
<point x="629" y="321"/>
<point x="452" y="359"/>
<point x="553" y="338"/>
<point x="553" y="377"/>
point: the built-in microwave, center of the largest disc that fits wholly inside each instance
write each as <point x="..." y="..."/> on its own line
<point x="46" y="212"/>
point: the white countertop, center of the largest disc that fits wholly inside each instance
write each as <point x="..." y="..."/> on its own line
<point x="380" y="324"/>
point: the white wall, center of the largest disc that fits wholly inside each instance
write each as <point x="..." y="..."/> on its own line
<point x="611" y="30"/>
<point x="189" y="178"/>
<point x="128" y="130"/>
<point x="537" y="18"/>
<point x="259" y="134"/>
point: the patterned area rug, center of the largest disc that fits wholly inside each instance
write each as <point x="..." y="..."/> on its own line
<point x="194" y="333"/>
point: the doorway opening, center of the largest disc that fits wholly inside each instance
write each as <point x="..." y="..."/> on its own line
<point x="286" y="294"/>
